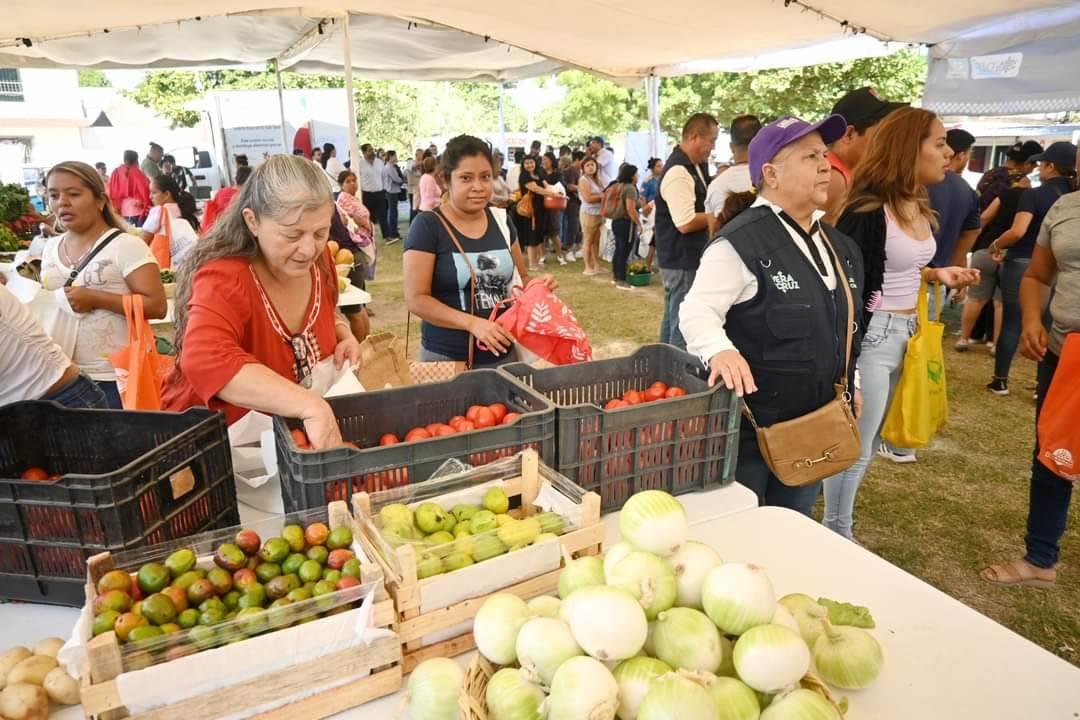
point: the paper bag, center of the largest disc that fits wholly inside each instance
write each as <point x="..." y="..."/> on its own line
<point x="382" y="362"/>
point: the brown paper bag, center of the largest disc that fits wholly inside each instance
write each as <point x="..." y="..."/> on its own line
<point x="383" y="363"/>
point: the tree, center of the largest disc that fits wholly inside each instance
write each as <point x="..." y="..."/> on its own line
<point x="93" y="78"/>
<point x="387" y="114"/>
<point x="592" y="106"/>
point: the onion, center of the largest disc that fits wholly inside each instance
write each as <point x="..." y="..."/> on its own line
<point x="691" y="563"/>
<point x="543" y="644"/>
<point x="736" y="597"/>
<point x="649" y="648"/>
<point x="433" y="689"/>
<point x="808" y="614"/>
<point x="674" y="697"/>
<point x="848" y="657"/>
<point x="614" y="554"/>
<point x="544" y="606"/>
<point x="607" y="623"/>
<point x="584" y="572"/>
<point x="634" y="676"/>
<point x="510" y="696"/>
<point x="785" y="618"/>
<point x="654" y="521"/>
<point x="801" y="705"/>
<point x="647" y="578"/>
<point x="582" y="689"/>
<point x="770" y="658"/>
<point x="686" y="639"/>
<point x="496" y="627"/>
<point x="727" y="666"/>
<point x="734" y="699"/>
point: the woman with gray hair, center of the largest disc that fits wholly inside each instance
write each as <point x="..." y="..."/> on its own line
<point x="256" y="320"/>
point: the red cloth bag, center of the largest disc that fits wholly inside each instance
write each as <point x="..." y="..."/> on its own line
<point x="543" y="324"/>
<point x="1059" y="435"/>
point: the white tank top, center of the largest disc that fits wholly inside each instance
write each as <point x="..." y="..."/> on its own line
<point x="905" y="257"/>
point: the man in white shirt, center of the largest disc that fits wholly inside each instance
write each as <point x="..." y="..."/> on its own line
<point x="372" y="192"/>
<point x="607" y="167"/>
<point x="736" y="179"/>
<point x="769" y="310"/>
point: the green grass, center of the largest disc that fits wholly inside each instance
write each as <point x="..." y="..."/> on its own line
<point x="962" y="506"/>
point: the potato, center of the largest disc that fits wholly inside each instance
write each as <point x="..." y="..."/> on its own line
<point x="31" y="670"/>
<point x="21" y="701"/>
<point x="10" y="659"/>
<point x="61" y="687"/>
<point x="49" y="647"/>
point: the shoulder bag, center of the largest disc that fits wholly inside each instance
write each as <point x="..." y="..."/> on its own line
<point x="822" y="443"/>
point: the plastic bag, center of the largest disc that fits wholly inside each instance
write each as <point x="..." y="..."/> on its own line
<point x="543" y="324"/>
<point x="1059" y="440"/>
<point x="161" y="244"/>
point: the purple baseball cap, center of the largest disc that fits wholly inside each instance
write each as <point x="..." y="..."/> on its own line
<point x="775" y="136"/>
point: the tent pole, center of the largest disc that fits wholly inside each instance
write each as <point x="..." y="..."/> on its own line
<point x="502" y="117"/>
<point x="652" y="95"/>
<point x="281" y="109"/>
<point x="350" y="98"/>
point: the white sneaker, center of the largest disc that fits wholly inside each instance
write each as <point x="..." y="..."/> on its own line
<point x="624" y="286"/>
<point x="570" y="256"/>
<point x="561" y="259"/>
<point x="963" y="344"/>
<point x="542" y="260"/>
<point x="888" y="454"/>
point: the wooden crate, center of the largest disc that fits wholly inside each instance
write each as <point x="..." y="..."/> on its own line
<point x="407" y="590"/>
<point x="381" y="659"/>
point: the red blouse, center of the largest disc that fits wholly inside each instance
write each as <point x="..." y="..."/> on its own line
<point x="230" y="325"/>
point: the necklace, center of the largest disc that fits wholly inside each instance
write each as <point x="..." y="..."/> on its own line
<point x="67" y="258"/>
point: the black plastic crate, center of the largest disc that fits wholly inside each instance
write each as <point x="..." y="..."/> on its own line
<point x="310" y="478"/>
<point x="679" y="445"/>
<point x="127" y="479"/>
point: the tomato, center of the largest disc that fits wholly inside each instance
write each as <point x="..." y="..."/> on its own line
<point x="466" y="426"/>
<point x="510" y="418"/>
<point x="417" y="433"/>
<point x="35" y="473"/>
<point x="633" y="397"/>
<point x="499" y="411"/>
<point x="674" y="391"/>
<point x="389" y="439"/>
<point x="443" y="430"/>
<point x="484" y="418"/>
<point x="456" y="420"/>
<point x="472" y="411"/>
<point x="615" y="404"/>
<point x="432" y="428"/>
<point x="300" y="438"/>
<point x="654" y="393"/>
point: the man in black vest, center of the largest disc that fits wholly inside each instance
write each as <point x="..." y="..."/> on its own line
<point x="683" y="228"/>
<point x="767" y="312"/>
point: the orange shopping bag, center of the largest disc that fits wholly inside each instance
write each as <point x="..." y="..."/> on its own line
<point x="139" y="367"/>
<point x="161" y="245"/>
<point x="1059" y="435"/>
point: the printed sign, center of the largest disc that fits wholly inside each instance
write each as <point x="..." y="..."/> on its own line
<point x="993" y="67"/>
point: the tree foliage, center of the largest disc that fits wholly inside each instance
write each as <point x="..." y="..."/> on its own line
<point x="93" y="78"/>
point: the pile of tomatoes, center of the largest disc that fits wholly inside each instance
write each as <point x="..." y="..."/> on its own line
<point x="657" y="391"/>
<point x="36" y="473"/>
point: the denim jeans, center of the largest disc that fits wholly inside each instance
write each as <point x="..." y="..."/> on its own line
<point x="82" y="392"/>
<point x="676" y="285"/>
<point x="112" y="394"/>
<point x="1012" y="272"/>
<point x="392" y="214"/>
<point x="1048" y="508"/>
<point x="752" y="472"/>
<point x="623" y="230"/>
<point x="570" y="228"/>
<point x="880" y="365"/>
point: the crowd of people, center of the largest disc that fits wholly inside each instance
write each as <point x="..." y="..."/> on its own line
<point x="794" y="271"/>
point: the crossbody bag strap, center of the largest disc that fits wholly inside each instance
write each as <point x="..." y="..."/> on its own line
<point x="472" y="274"/>
<point x="842" y="279"/>
<point x="90" y="256"/>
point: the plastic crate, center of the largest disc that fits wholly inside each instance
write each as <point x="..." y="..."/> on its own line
<point x="127" y="479"/>
<point x="679" y="445"/>
<point x="310" y="478"/>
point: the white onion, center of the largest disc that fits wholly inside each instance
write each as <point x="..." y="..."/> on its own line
<point x="614" y="554"/>
<point x="770" y="658"/>
<point x="582" y="689"/>
<point x="634" y="676"/>
<point x="607" y="623"/>
<point x="647" y="578"/>
<point x="848" y="657"/>
<point x="808" y="614"/>
<point x="585" y="571"/>
<point x="727" y="666"/>
<point x="543" y="644"/>
<point x="801" y="704"/>
<point x="433" y="689"/>
<point x="674" y="697"/>
<point x="734" y="699"/>
<point x="654" y="521"/>
<point x="785" y="618"/>
<point x="737" y="596"/>
<point x="686" y="639"/>
<point x="544" y="606"/>
<point x="496" y="627"/>
<point x="692" y="563"/>
<point x="649" y="648"/>
<point x="510" y="696"/>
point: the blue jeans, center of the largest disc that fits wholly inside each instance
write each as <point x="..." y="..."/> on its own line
<point x="112" y="394"/>
<point x="1012" y="272"/>
<point x="1048" y="508"/>
<point x="677" y="284"/>
<point x="82" y="392"/>
<point x="752" y="472"/>
<point x="880" y="365"/>
<point x="392" y="214"/>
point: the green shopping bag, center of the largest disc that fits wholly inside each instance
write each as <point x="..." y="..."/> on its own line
<point x="920" y="406"/>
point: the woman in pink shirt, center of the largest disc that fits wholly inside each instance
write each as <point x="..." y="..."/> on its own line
<point x="430" y="191"/>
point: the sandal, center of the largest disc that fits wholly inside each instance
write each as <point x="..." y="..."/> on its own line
<point x="1019" y="572"/>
